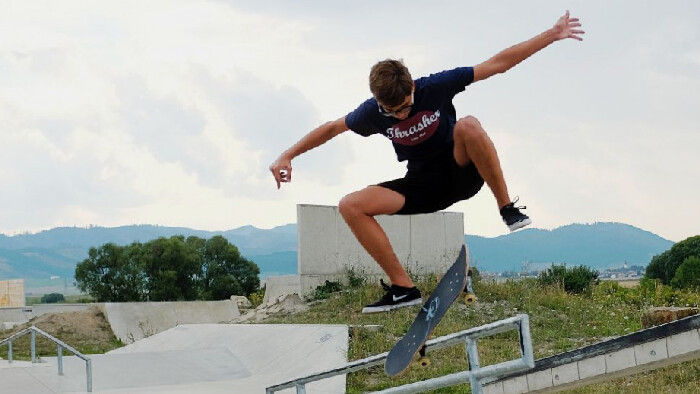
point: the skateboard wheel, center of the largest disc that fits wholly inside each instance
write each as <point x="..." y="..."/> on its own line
<point x="424" y="361"/>
<point x="470" y="299"/>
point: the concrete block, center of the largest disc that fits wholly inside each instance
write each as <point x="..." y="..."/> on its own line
<point x="683" y="343"/>
<point x="424" y="244"/>
<point x="591" y="367"/>
<point x="12" y="293"/>
<point x="278" y="286"/>
<point x="428" y="244"/>
<point x="319" y="242"/>
<point x="539" y="380"/>
<point x="651" y="352"/>
<point x="660" y="315"/>
<point x="619" y="360"/>
<point x="515" y="385"/>
<point x="494" y="388"/>
<point x="565" y="374"/>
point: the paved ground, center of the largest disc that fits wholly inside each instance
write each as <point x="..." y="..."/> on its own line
<point x="201" y="358"/>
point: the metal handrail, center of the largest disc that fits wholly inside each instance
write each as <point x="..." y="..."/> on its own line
<point x="32" y="331"/>
<point x="475" y="375"/>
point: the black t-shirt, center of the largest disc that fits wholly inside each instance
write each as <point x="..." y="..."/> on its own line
<point x="428" y="130"/>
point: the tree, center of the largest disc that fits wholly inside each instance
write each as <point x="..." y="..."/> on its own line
<point x="171" y="268"/>
<point x="664" y="266"/>
<point x="167" y="269"/>
<point x="688" y="274"/>
<point x="52" y="298"/>
<point x="224" y="271"/>
<point x="111" y="274"/>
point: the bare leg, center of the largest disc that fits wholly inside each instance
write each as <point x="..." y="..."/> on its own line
<point x="472" y="144"/>
<point x="358" y="210"/>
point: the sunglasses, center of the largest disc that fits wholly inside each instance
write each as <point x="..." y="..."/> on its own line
<point x="398" y="111"/>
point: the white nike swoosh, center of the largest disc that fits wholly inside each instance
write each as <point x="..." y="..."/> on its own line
<point x="400" y="297"/>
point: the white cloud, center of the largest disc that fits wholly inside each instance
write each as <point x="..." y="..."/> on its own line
<point x="169" y="112"/>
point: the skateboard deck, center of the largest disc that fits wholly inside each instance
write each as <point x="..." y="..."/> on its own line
<point x="447" y="291"/>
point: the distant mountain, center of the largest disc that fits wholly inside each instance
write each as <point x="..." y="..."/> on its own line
<point x="598" y="245"/>
<point x="56" y="252"/>
<point x="248" y="239"/>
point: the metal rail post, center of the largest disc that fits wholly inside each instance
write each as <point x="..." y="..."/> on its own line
<point x="32" y="335"/>
<point x="60" y="360"/>
<point x="473" y="358"/>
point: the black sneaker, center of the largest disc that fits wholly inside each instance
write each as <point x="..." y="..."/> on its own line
<point x="512" y="216"/>
<point x="395" y="297"/>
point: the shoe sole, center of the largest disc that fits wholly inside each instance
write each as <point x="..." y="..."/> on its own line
<point x="387" y="308"/>
<point x="519" y="225"/>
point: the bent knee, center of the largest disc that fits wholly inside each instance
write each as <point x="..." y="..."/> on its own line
<point x="349" y="205"/>
<point x="469" y="127"/>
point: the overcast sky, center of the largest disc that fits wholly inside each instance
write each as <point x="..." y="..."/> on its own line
<point x="170" y="112"/>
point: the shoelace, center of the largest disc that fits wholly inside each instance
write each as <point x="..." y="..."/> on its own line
<point x="512" y="204"/>
<point x="384" y="285"/>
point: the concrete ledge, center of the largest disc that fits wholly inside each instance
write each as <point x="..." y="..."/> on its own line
<point x="644" y="350"/>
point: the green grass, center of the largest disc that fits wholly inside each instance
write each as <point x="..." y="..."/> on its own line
<point x="559" y="322"/>
<point x="70" y="299"/>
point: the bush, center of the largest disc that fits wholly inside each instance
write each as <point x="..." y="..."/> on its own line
<point x="576" y="280"/>
<point x="687" y="275"/>
<point x="52" y="298"/>
<point x="324" y="291"/>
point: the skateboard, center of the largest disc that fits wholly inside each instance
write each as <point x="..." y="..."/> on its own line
<point x="447" y="291"/>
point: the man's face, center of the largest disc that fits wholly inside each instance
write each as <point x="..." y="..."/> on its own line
<point x="399" y="111"/>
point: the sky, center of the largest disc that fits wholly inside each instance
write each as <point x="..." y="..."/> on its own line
<point x="169" y="112"/>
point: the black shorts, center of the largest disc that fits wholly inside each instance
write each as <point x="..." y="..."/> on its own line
<point x="436" y="186"/>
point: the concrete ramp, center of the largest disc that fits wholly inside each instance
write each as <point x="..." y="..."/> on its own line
<point x="197" y="358"/>
<point x="133" y="321"/>
<point x="644" y="350"/>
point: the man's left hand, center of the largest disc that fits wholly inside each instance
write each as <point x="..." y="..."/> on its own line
<point x="566" y="28"/>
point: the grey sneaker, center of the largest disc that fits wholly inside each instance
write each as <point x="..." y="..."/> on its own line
<point x="512" y="216"/>
<point x="395" y="297"/>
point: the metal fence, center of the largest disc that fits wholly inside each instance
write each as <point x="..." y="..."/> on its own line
<point x="32" y="331"/>
<point x="475" y="375"/>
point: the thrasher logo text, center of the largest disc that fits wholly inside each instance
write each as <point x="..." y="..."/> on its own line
<point x="415" y="129"/>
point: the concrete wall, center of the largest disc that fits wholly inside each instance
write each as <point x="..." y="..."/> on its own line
<point x="12" y="293"/>
<point x="132" y="321"/>
<point x="279" y="286"/>
<point x="328" y="249"/>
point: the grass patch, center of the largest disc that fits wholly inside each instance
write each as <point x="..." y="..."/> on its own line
<point x="559" y="322"/>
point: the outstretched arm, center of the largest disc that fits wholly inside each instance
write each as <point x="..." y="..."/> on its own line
<point x="503" y="61"/>
<point x="282" y="167"/>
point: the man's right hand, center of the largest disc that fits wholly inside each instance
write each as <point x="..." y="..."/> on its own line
<point x="282" y="170"/>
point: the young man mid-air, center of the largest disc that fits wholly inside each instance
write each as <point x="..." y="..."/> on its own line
<point x="448" y="159"/>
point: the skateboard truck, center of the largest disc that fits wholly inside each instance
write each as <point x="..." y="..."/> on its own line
<point x="423" y="360"/>
<point x="470" y="298"/>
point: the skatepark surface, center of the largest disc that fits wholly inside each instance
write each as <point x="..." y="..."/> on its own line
<point x="195" y="358"/>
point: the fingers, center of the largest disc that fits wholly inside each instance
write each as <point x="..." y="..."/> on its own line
<point x="281" y="174"/>
<point x="276" y="175"/>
